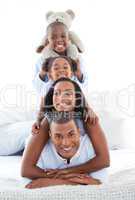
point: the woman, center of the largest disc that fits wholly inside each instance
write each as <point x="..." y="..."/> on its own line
<point x="65" y="95"/>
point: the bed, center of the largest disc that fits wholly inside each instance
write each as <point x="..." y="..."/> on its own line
<point x="121" y="185"/>
<point x="121" y="181"/>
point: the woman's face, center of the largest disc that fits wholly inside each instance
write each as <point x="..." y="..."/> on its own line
<point x="64" y="96"/>
<point x="60" y="68"/>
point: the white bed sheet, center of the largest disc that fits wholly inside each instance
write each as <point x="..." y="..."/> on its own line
<point x="121" y="184"/>
<point x="120" y="160"/>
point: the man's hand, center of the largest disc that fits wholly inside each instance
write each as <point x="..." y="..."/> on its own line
<point x="84" y="180"/>
<point x="38" y="183"/>
<point x="81" y="179"/>
<point x="78" y="72"/>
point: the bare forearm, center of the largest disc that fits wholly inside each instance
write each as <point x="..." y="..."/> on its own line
<point x="33" y="172"/>
<point x="92" y="165"/>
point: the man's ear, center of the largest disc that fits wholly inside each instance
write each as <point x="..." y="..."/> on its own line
<point x="79" y="131"/>
<point x="50" y="133"/>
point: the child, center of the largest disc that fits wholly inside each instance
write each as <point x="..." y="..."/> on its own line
<point x="58" y="42"/>
<point x="56" y="68"/>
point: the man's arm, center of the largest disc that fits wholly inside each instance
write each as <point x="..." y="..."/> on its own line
<point x="33" y="151"/>
<point x="45" y="182"/>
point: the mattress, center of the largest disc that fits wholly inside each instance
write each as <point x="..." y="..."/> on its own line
<point x="121" y="181"/>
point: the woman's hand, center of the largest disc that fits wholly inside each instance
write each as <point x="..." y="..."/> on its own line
<point x="35" y="128"/>
<point x="90" y="116"/>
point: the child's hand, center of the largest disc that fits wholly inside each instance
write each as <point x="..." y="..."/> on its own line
<point x="90" y="116"/>
<point x="35" y="128"/>
<point x="42" y="73"/>
<point x="78" y="72"/>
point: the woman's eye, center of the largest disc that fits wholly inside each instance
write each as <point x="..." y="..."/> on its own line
<point x="68" y="93"/>
<point x="65" y="67"/>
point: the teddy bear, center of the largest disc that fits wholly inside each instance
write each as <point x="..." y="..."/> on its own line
<point x="75" y="46"/>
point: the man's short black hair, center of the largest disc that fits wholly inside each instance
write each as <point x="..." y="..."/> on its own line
<point x="62" y="117"/>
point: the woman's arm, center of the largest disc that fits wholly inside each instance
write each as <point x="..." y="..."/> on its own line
<point x="33" y="151"/>
<point x="41" y="112"/>
<point x="102" y="159"/>
<point x="40" y="116"/>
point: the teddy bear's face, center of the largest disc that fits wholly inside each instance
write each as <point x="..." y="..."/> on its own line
<point x="62" y="17"/>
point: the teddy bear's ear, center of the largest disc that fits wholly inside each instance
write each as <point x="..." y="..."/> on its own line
<point x="48" y="14"/>
<point x="71" y="13"/>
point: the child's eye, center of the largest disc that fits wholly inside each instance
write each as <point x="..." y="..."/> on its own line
<point x="53" y="37"/>
<point x="63" y="36"/>
<point x="56" y="68"/>
<point x="56" y="93"/>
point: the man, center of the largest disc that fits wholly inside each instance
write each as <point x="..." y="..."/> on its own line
<point x="66" y="148"/>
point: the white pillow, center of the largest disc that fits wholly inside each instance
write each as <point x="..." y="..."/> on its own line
<point x="12" y="115"/>
<point x="13" y="136"/>
<point x="129" y="133"/>
<point x="113" y="128"/>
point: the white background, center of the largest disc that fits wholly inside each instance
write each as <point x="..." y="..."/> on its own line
<point x="107" y="29"/>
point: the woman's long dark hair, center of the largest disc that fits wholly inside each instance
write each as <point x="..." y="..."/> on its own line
<point x="80" y="104"/>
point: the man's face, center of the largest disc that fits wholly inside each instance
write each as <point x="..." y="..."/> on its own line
<point x="58" y="38"/>
<point x="66" y="138"/>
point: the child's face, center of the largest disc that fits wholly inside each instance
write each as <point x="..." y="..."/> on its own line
<point x="66" y="138"/>
<point x="64" y="98"/>
<point x="58" y="38"/>
<point x="60" y="68"/>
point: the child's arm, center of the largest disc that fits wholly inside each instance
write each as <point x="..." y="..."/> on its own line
<point x="39" y="77"/>
<point x="33" y="151"/>
<point x="101" y="160"/>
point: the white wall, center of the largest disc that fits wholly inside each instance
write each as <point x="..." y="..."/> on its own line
<point x="106" y="27"/>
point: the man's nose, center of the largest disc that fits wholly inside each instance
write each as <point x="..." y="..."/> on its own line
<point x="66" y="142"/>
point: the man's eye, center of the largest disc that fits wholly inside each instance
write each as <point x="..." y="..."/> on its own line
<point x="58" y="137"/>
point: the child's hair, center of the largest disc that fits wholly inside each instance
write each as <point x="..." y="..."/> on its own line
<point x="55" y="24"/>
<point x="80" y="102"/>
<point x="41" y="47"/>
<point x="49" y="61"/>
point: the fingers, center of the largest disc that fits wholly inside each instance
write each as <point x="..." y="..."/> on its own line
<point x="68" y="176"/>
<point x="51" y="173"/>
<point x="35" y="128"/>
